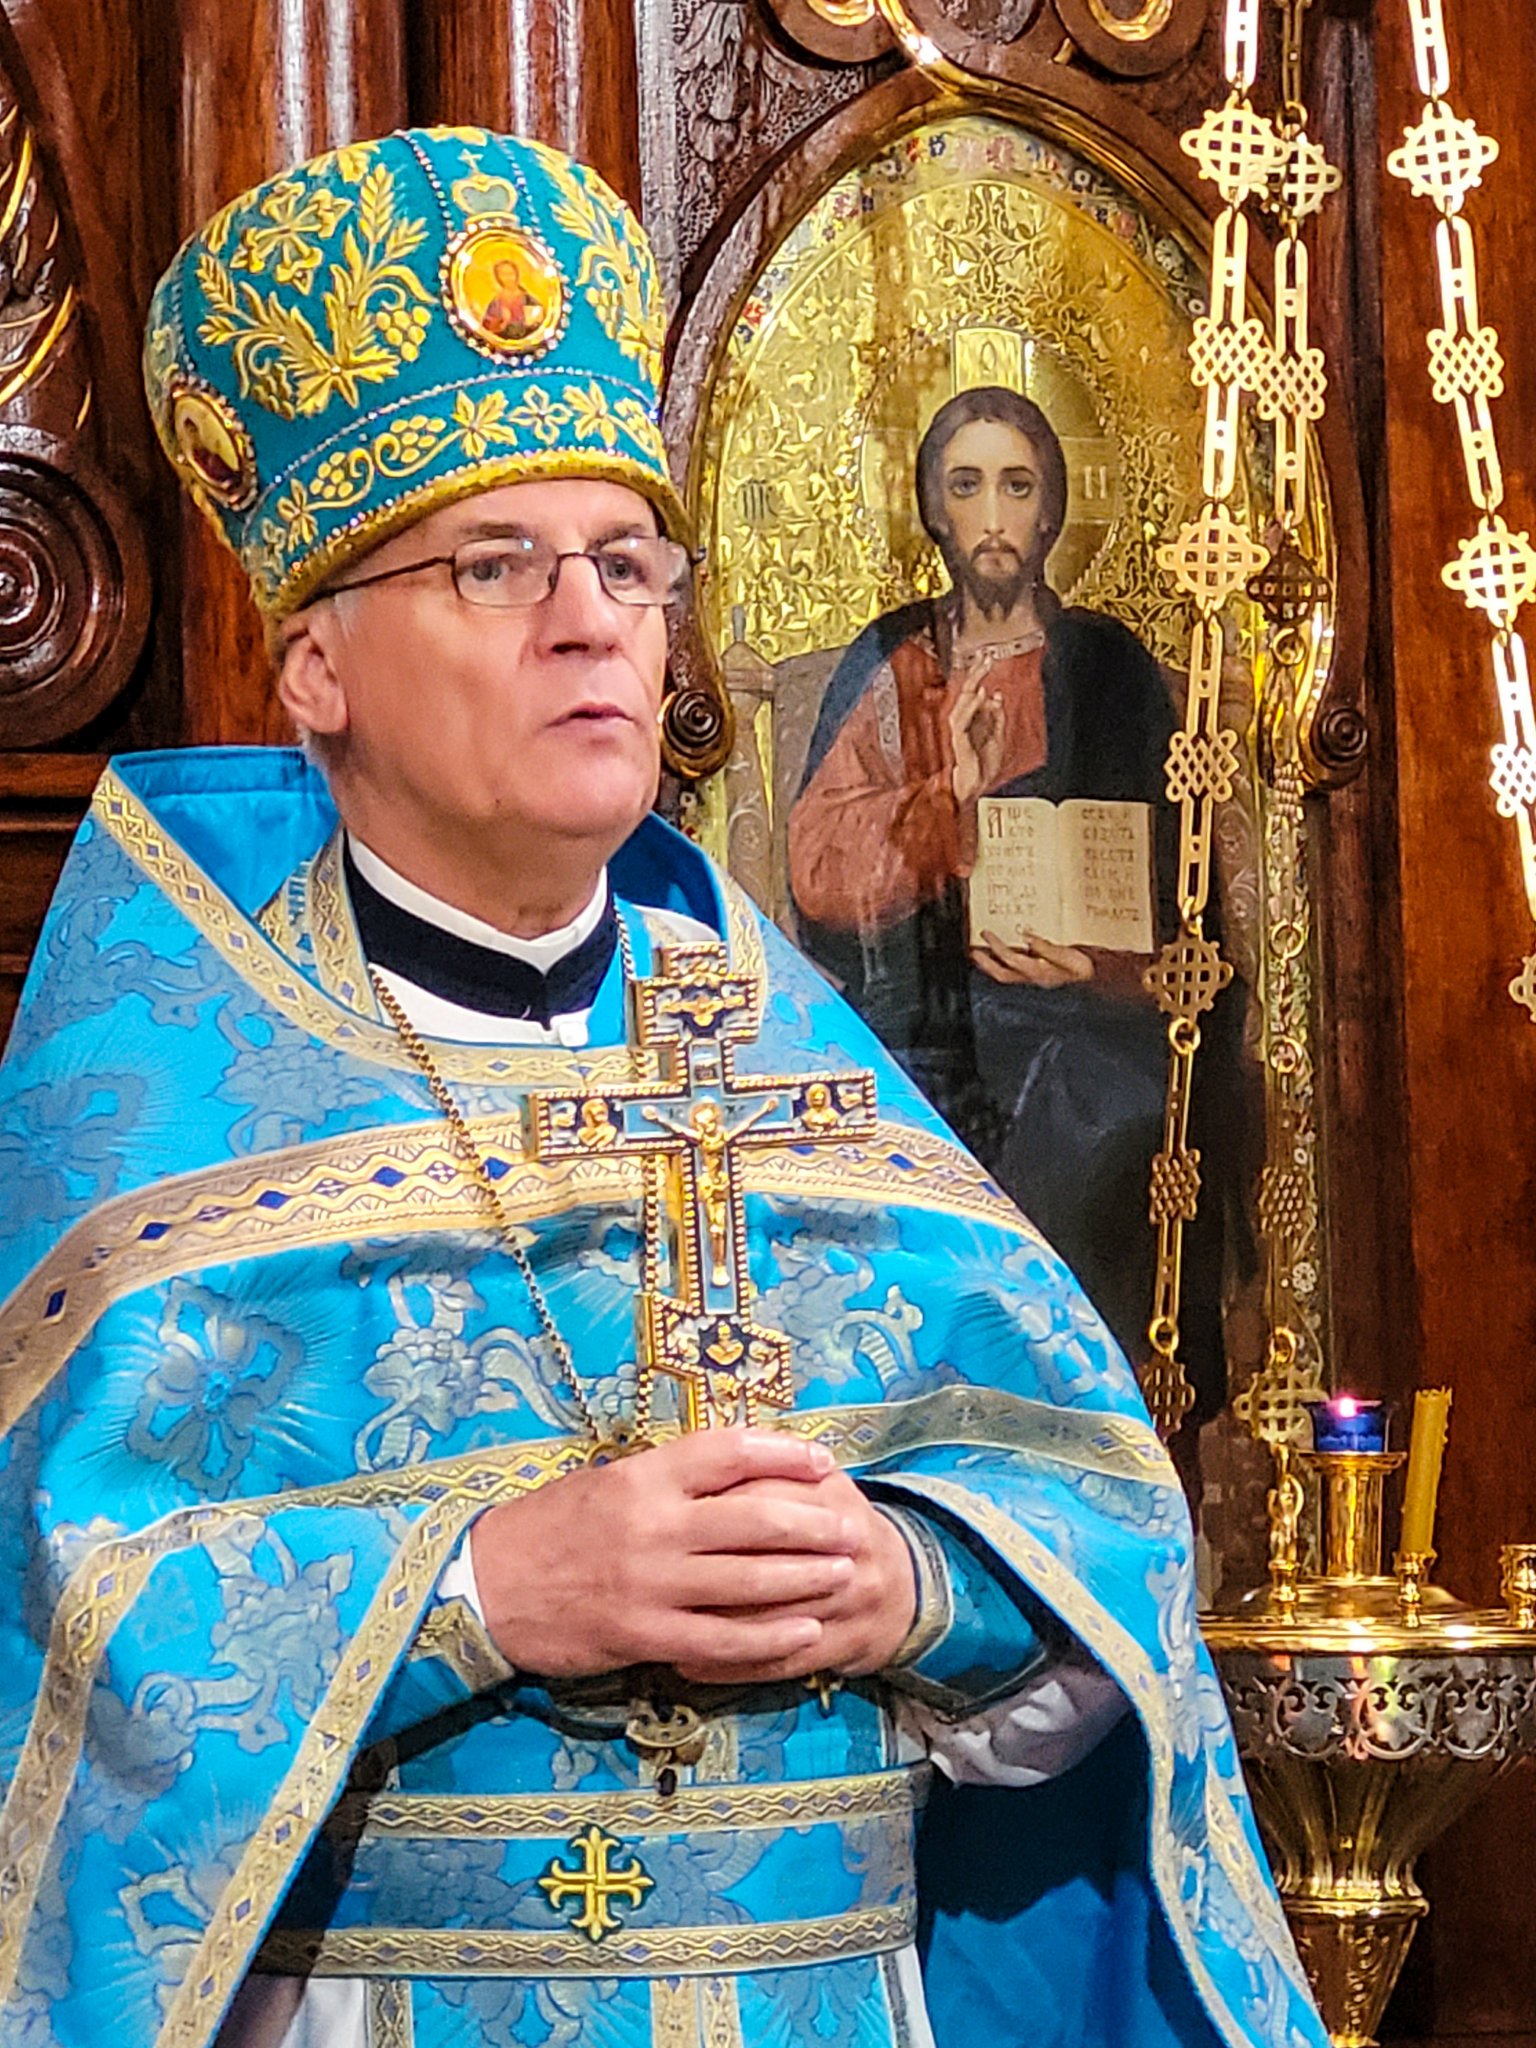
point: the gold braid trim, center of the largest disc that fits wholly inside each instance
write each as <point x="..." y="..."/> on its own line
<point x="500" y="1817"/>
<point x="453" y="1633"/>
<point x="695" y="2012"/>
<point x="107" y="1582"/>
<point x="984" y="1418"/>
<point x="332" y="1194"/>
<point x="391" y="2023"/>
<point x="331" y="926"/>
<point x="493" y="1952"/>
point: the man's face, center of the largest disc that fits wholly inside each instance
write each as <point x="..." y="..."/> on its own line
<point x="456" y="720"/>
<point x="990" y="483"/>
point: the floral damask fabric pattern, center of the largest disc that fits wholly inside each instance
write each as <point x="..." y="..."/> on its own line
<point x="274" y="1379"/>
<point x="220" y="1368"/>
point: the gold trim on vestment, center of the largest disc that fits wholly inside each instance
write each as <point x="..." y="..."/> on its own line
<point x="719" y="2013"/>
<point x="45" y="1769"/>
<point x="986" y="1418"/>
<point x="250" y="952"/>
<point x="695" y="2012"/>
<point x="391" y="2023"/>
<point x="669" y="1951"/>
<point x="752" y="1808"/>
<point x="276" y="920"/>
<point x="1148" y="1691"/>
<point x="104" y="1585"/>
<point x="454" y="1634"/>
<point x="331" y="1195"/>
<point x="331" y="927"/>
<point x="675" y="2012"/>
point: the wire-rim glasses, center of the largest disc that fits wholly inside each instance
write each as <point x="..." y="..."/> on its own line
<point x="510" y="571"/>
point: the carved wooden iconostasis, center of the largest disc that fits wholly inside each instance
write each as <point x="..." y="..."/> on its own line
<point x="859" y="224"/>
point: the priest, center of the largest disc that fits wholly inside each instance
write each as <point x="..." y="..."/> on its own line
<point x="530" y="1455"/>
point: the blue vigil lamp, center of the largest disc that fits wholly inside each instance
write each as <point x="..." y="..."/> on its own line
<point x="1350" y="1456"/>
<point x="1370" y="1706"/>
<point x="1348" y="1424"/>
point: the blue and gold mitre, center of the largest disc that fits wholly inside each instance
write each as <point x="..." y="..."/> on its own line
<point x="397" y="325"/>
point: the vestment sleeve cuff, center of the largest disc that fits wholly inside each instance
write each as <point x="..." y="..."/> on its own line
<point x="972" y="1639"/>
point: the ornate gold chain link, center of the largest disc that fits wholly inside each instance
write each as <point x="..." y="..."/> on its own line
<point x="1250" y="159"/>
<point x="1442" y="157"/>
<point x="1289" y="591"/>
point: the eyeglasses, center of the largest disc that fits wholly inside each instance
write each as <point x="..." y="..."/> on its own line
<point x="514" y="570"/>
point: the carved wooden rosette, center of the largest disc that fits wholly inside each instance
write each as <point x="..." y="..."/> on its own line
<point x="839" y="31"/>
<point x="698" y="724"/>
<point x="74" y="577"/>
<point x="1134" y="38"/>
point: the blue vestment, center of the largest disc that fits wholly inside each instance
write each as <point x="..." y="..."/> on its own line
<point x="263" y="1358"/>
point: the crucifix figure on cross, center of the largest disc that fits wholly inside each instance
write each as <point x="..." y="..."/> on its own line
<point x="690" y="1128"/>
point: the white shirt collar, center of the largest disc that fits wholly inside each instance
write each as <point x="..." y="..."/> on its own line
<point x="541" y="952"/>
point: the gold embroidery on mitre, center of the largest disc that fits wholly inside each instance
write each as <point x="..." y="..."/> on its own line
<point x="503" y="288"/>
<point x="211" y="449"/>
<point x="373" y="315"/>
<point x="617" y="271"/>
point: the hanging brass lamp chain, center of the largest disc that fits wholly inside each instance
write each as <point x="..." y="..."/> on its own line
<point x="1252" y="161"/>
<point x="1442" y="159"/>
<point x="1292" y="591"/>
<point x="1210" y="559"/>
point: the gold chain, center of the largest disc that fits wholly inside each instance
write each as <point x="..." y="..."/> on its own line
<point x="610" y="1438"/>
<point x="1210" y="558"/>
<point x="1442" y="158"/>
<point x="1289" y="590"/>
<point x="1250" y="159"/>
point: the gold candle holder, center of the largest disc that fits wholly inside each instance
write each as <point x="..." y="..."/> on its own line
<point x="1412" y="1570"/>
<point x="1359" y="1732"/>
<point x="1287" y="1502"/>
<point x="1352" y="1488"/>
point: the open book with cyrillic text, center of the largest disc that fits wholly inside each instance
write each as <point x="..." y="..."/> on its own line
<point x="1077" y="873"/>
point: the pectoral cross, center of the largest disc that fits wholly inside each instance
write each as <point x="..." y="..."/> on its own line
<point x="692" y="1127"/>
<point x="595" y="1883"/>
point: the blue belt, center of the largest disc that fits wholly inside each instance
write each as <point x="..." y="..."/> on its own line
<point x="711" y="1881"/>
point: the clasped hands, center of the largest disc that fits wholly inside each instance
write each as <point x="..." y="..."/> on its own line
<point x="738" y="1556"/>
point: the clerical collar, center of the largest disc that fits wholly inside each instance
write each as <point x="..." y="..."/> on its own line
<point x="463" y="960"/>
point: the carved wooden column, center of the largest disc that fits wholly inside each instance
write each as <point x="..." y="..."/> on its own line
<point x="562" y="71"/>
<point x="266" y="83"/>
<point x="74" y="575"/>
<point x="1470" y="1067"/>
<point x="73" y="583"/>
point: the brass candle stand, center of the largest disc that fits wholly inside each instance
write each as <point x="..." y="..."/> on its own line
<point x="1370" y="1710"/>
